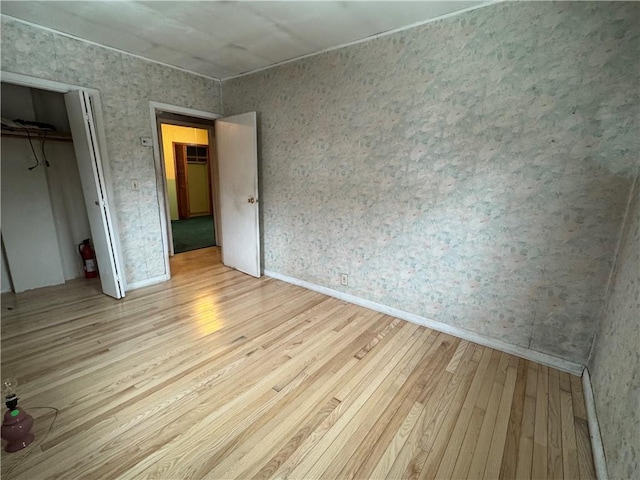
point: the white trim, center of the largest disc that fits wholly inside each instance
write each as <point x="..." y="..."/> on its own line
<point x="148" y="282"/>
<point x="191" y="112"/>
<point x="108" y="185"/>
<point x="542" y="358"/>
<point x="113" y="49"/>
<point x="366" y="39"/>
<point x="60" y="87"/>
<point x="167" y="206"/>
<point x="161" y="184"/>
<point x="41" y="83"/>
<point x="599" y="459"/>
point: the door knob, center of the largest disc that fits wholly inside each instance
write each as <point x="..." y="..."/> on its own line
<point x="252" y="200"/>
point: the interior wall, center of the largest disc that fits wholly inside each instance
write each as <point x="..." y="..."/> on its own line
<point x="180" y="134"/>
<point x="126" y="86"/>
<point x="68" y="205"/>
<point x="615" y="363"/>
<point x="474" y="170"/>
<point x="17" y="102"/>
<point x="49" y="107"/>
<point x="28" y="228"/>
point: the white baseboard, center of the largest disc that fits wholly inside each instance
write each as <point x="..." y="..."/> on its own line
<point x="148" y="282"/>
<point x="599" y="459"/>
<point x="526" y="353"/>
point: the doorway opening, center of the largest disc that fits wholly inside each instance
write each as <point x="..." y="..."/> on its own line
<point x="186" y="154"/>
<point x="233" y="179"/>
<point x="188" y="177"/>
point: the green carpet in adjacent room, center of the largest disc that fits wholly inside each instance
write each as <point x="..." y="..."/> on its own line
<point x="192" y="233"/>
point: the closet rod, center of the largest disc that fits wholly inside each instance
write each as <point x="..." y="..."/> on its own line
<point x="38" y="135"/>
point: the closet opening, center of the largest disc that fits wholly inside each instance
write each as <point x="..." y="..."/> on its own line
<point x="53" y="195"/>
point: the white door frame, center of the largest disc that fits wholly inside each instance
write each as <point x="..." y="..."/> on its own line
<point x="59" y="87"/>
<point x="161" y="184"/>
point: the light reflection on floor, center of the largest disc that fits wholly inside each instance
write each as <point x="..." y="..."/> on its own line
<point x="207" y="316"/>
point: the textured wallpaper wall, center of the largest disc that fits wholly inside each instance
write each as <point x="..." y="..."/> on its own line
<point x="474" y="170"/>
<point x="615" y="364"/>
<point x="126" y="86"/>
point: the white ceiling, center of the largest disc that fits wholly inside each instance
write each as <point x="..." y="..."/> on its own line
<point x="223" y="39"/>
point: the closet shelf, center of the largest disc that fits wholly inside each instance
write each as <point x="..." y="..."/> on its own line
<point x="37" y="134"/>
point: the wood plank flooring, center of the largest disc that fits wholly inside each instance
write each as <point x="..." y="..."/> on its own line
<point x="219" y="375"/>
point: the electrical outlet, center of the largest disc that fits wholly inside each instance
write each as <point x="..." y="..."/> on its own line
<point x="344" y="279"/>
<point x="135" y="185"/>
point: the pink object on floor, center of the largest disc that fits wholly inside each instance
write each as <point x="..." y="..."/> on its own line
<point x="16" y="429"/>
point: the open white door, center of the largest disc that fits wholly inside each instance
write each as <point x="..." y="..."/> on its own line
<point x="85" y="143"/>
<point x="237" y="145"/>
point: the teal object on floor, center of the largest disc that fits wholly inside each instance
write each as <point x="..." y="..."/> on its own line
<point x="193" y="233"/>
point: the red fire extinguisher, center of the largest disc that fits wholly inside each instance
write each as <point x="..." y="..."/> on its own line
<point x="88" y="259"/>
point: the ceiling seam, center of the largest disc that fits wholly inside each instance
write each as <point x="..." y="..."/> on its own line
<point x="277" y="64"/>
<point x="366" y="39"/>
<point x="84" y="40"/>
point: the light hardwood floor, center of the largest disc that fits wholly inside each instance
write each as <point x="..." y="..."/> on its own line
<point x="219" y="375"/>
